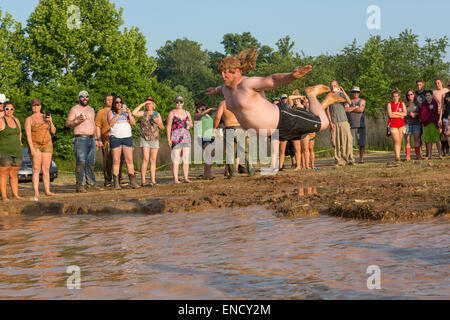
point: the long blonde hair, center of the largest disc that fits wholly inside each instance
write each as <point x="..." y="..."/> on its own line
<point x="245" y="61"/>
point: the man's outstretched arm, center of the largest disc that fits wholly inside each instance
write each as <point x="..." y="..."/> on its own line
<point x="277" y="80"/>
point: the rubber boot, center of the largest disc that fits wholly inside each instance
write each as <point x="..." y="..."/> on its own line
<point x="133" y="183"/>
<point x="116" y="184"/>
<point x="233" y="173"/>
<point x="418" y="153"/>
<point x="408" y="154"/>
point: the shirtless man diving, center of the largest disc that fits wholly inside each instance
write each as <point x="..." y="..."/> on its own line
<point x="245" y="97"/>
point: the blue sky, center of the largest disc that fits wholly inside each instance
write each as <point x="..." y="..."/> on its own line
<point x="315" y="26"/>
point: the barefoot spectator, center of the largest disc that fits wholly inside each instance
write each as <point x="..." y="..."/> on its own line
<point x="204" y="128"/>
<point x="103" y="131"/>
<point x="413" y="125"/>
<point x="429" y="114"/>
<point x="179" y="122"/>
<point x="82" y="119"/>
<point x="397" y="112"/>
<point x="301" y="146"/>
<point x="439" y="96"/>
<point x="341" y="135"/>
<point x="151" y="123"/>
<point x="39" y="129"/>
<point x="312" y="139"/>
<point x="10" y="151"/>
<point x="121" y="140"/>
<point x="356" y="118"/>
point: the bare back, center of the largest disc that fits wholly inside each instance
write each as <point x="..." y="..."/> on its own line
<point x="251" y="107"/>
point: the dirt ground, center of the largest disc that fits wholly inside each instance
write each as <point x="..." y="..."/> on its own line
<point x="378" y="190"/>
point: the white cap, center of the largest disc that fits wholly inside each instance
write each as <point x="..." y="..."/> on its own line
<point x="2" y="98"/>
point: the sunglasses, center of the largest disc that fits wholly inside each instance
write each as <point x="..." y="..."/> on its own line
<point x="410" y="94"/>
<point x="9" y="109"/>
<point x="84" y="97"/>
<point x="179" y="102"/>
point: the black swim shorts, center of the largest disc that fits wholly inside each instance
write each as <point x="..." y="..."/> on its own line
<point x="295" y="122"/>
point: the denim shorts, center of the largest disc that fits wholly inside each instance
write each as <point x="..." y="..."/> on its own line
<point x="413" y="128"/>
<point x="205" y="142"/>
<point x="117" y="142"/>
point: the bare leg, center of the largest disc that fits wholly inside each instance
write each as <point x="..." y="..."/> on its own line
<point x="14" y="182"/>
<point x="37" y="166"/>
<point x="439" y="147"/>
<point x="305" y="151"/>
<point x="153" y="158"/>
<point x="146" y="158"/>
<point x="186" y="154"/>
<point x="128" y="155"/>
<point x="116" y="155"/>
<point x="4" y="173"/>
<point x="298" y="150"/>
<point x="315" y="106"/>
<point x="282" y="153"/>
<point x="176" y="162"/>
<point x="311" y="154"/>
<point x="46" y="163"/>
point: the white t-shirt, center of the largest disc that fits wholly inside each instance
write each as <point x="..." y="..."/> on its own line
<point x="121" y="128"/>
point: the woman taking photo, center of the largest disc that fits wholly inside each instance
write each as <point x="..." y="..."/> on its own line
<point x="151" y="123"/>
<point x="179" y="122"/>
<point x="121" y="140"/>
<point x="39" y="129"/>
<point x="397" y="112"/>
<point x="301" y="146"/>
<point x="413" y="125"/>
<point x="204" y="124"/>
<point x="10" y="151"/>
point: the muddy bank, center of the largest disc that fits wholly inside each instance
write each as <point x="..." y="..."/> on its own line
<point x="375" y="191"/>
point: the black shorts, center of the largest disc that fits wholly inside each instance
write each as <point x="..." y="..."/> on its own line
<point x="295" y="122"/>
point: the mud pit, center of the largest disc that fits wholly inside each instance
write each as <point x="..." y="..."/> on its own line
<point x="375" y="191"/>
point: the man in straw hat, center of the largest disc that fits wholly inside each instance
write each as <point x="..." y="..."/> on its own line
<point x="245" y="97"/>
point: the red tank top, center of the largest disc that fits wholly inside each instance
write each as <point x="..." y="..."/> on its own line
<point x="397" y="122"/>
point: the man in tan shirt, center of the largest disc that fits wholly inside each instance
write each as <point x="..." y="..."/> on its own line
<point x="233" y="129"/>
<point x="82" y="119"/>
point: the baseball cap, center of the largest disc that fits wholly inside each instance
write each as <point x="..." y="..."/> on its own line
<point x="356" y="89"/>
<point x="83" y="93"/>
<point x="2" y="98"/>
<point x="276" y="99"/>
<point x="35" y="102"/>
<point x="179" y="98"/>
<point x="150" y="99"/>
<point x="284" y="96"/>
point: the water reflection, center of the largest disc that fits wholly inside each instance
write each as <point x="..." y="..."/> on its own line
<point x="249" y="254"/>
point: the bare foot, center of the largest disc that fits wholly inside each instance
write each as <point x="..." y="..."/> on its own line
<point x="50" y="194"/>
<point x="177" y="182"/>
<point x="6" y="200"/>
<point x="298" y="169"/>
<point x="316" y="90"/>
<point x="187" y="181"/>
<point x="301" y="72"/>
<point x="332" y="98"/>
<point x="18" y="198"/>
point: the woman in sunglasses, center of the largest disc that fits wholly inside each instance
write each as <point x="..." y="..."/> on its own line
<point x="121" y="119"/>
<point x="39" y="129"/>
<point x="179" y="122"/>
<point x="10" y="151"/>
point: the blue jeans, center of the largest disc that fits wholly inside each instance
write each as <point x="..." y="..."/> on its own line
<point x="85" y="149"/>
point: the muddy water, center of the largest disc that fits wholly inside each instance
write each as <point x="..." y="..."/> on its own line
<point x="240" y="254"/>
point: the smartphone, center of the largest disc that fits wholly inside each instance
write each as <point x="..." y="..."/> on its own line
<point x="124" y="107"/>
<point x="155" y="114"/>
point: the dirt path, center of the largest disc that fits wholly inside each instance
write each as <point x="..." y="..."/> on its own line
<point x="378" y="190"/>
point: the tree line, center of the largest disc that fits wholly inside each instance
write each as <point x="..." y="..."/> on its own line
<point x="47" y="60"/>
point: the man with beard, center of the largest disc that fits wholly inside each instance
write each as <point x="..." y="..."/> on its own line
<point x="82" y="119"/>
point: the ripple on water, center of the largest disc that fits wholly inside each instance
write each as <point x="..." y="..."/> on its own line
<point x="245" y="253"/>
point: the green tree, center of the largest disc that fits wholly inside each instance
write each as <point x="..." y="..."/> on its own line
<point x="183" y="62"/>
<point x="234" y="43"/>
<point x="347" y="65"/>
<point x="13" y="74"/>
<point x="285" y="46"/>
<point x="431" y="60"/>
<point x="373" y="80"/>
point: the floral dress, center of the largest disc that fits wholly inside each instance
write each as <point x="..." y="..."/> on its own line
<point x="180" y="133"/>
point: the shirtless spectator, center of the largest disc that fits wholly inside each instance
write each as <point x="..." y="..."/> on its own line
<point x="439" y="95"/>
<point x="234" y="129"/>
<point x="245" y="97"/>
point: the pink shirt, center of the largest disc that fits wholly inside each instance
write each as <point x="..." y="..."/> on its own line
<point x="87" y="127"/>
